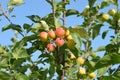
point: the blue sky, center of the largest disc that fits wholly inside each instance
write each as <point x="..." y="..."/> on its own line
<point x="42" y="8"/>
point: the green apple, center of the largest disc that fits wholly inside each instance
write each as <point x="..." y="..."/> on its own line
<point x="112" y="12"/>
<point x="105" y="16"/>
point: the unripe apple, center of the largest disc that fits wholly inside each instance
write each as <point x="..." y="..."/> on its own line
<point x="72" y="56"/>
<point x="43" y="36"/>
<point x="59" y="42"/>
<point x="50" y="47"/>
<point x="67" y="32"/>
<point x="60" y="32"/>
<point x="112" y="12"/>
<point x="51" y="34"/>
<point x="81" y="60"/>
<point x="105" y="16"/>
<point x="92" y="75"/>
<point x="81" y="71"/>
<point x="69" y="37"/>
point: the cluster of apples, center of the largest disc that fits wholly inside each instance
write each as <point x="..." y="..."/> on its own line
<point x="57" y="36"/>
<point x="111" y="12"/>
<point x="82" y="70"/>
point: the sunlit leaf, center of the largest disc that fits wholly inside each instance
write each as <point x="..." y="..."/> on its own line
<point x="22" y="77"/>
<point x="79" y="30"/>
<point x="70" y="12"/>
<point x="101" y="48"/>
<point x="102" y="71"/>
<point x="15" y="2"/>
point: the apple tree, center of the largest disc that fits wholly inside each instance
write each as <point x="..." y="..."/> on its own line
<point x="65" y="52"/>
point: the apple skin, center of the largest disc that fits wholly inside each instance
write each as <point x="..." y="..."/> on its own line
<point x="92" y="75"/>
<point x="50" y="47"/>
<point x="43" y="36"/>
<point x="81" y="60"/>
<point x="112" y="12"/>
<point x="51" y="34"/>
<point x="69" y="37"/>
<point x="60" y="32"/>
<point x="105" y="16"/>
<point x="67" y="32"/>
<point x="81" y="71"/>
<point x="59" y="42"/>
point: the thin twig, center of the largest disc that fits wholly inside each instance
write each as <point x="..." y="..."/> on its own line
<point x="53" y="10"/>
<point x="64" y="24"/>
<point x="64" y="15"/>
<point x="4" y="14"/>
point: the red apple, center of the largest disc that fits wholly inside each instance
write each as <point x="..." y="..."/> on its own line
<point x="60" y="32"/>
<point x="51" y="34"/>
<point x="50" y="47"/>
<point x="59" y="42"/>
<point x="43" y="36"/>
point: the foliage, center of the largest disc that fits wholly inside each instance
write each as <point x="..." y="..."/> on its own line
<point x="62" y="58"/>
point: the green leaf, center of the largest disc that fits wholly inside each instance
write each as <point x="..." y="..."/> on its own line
<point x="22" y="77"/>
<point x="44" y="25"/>
<point x="91" y="2"/>
<point x="10" y="9"/>
<point x="15" y="2"/>
<point x="77" y="40"/>
<point x="107" y="60"/>
<point x="104" y="34"/>
<point x="102" y="71"/>
<point x="57" y="23"/>
<point x="106" y="78"/>
<point x="115" y="2"/>
<point x="104" y="4"/>
<point x="12" y="26"/>
<point x="19" y="51"/>
<point x="3" y="62"/>
<point x="34" y="18"/>
<point x="79" y="30"/>
<point x="27" y="27"/>
<point x="70" y="12"/>
<point x="96" y="30"/>
<point x="49" y="2"/>
<point x="5" y="76"/>
<point x="101" y="48"/>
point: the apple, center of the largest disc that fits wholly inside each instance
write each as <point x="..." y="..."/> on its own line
<point x="81" y="71"/>
<point x="81" y="60"/>
<point x="92" y="75"/>
<point x="67" y="32"/>
<point x="60" y="32"/>
<point x="112" y="12"/>
<point x="51" y="34"/>
<point x="59" y="42"/>
<point x="50" y="47"/>
<point x="69" y="37"/>
<point x="43" y="36"/>
<point x="105" y="16"/>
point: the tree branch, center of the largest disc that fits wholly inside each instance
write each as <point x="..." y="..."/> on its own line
<point x="53" y="10"/>
<point x="4" y="14"/>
